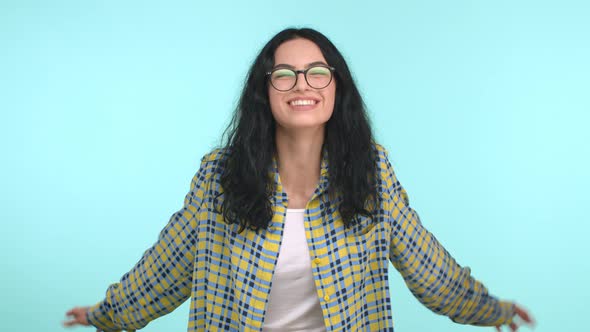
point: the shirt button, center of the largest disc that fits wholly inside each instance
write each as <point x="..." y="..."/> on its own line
<point x="327" y="298"/>
<point x="317" y="261"/>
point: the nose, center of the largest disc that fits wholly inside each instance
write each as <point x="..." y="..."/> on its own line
<point x="301" y="84"/>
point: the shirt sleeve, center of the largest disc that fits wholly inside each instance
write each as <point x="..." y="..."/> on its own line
<point x="431" y="274"/>
<point x="161" y="280"/>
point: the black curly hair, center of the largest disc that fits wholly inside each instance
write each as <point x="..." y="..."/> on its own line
<point x="250" y="142"/>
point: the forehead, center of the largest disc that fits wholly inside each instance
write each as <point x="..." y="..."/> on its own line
<point x="298" y="53"/>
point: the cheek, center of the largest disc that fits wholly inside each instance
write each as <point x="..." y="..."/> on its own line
<point x="273" y="99"/>
<point x="330" y="99"/>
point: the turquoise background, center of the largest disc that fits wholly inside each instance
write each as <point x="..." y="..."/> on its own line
<point x="107" y="107"/>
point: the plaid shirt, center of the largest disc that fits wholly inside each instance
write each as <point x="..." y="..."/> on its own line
<point x="228" y="275"/>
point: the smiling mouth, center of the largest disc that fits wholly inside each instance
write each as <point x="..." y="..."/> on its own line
<point x="303" y="102"/>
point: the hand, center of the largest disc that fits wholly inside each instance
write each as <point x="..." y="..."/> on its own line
<point x="77" y="317"/>
<point x="523" y="315"/>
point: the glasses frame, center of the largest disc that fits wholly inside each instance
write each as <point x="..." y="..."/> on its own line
<point x="301" y="71"/>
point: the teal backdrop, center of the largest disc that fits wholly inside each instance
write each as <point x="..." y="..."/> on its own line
<point x="107" y="107"/>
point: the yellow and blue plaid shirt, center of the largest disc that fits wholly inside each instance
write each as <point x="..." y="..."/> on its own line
<point x="228" y="275"/>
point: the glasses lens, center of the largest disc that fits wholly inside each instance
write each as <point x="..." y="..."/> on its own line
<point x="283" y="79"/>
<point x="318" y="77"/>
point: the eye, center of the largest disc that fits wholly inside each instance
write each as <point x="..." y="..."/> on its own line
<point x="318" y="71"/>
<point x="283" y="73"/>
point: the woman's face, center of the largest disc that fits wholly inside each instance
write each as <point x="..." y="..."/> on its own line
<point x="302" y="106"/>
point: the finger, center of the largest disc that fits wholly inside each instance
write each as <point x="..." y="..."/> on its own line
<point x="70" y="323"/>
<point x="513" y="327"/>
<point x="522" y="314"/>
<point x="75" y="311"/>
<point x="498" y="329"/>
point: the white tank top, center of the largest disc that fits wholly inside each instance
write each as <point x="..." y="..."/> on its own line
<point x="293" y="303"/>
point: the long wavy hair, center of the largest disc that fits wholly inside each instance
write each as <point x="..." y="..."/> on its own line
<point x="250" y="143"/>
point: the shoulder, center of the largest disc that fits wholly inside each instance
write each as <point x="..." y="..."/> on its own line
<point x="212" y="162"/>
<point x="384" y="169"/>
<point x="215" y="156"/>
<point x="382" y="159"/>
<point x="385" y="172"/>
<point x="381" y="152"/>
<point x="388" y="179"/>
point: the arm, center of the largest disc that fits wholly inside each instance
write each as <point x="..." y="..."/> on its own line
<point x="431" y="274"/>
<point x="161" y="280"/>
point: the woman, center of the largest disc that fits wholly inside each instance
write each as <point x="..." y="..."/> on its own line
<point x="292" y="225"/>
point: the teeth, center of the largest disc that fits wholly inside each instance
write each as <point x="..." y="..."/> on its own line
<point x="302" y="102"/>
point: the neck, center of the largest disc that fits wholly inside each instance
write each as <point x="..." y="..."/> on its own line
<point x="299" y="156"/>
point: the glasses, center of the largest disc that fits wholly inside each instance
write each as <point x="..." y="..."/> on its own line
<point x="285" y="79"/>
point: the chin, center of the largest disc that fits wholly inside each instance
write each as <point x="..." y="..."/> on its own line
<point x="300" y="125"/>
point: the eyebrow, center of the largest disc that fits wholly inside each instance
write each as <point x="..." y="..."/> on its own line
<point x="315" y="63"/>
